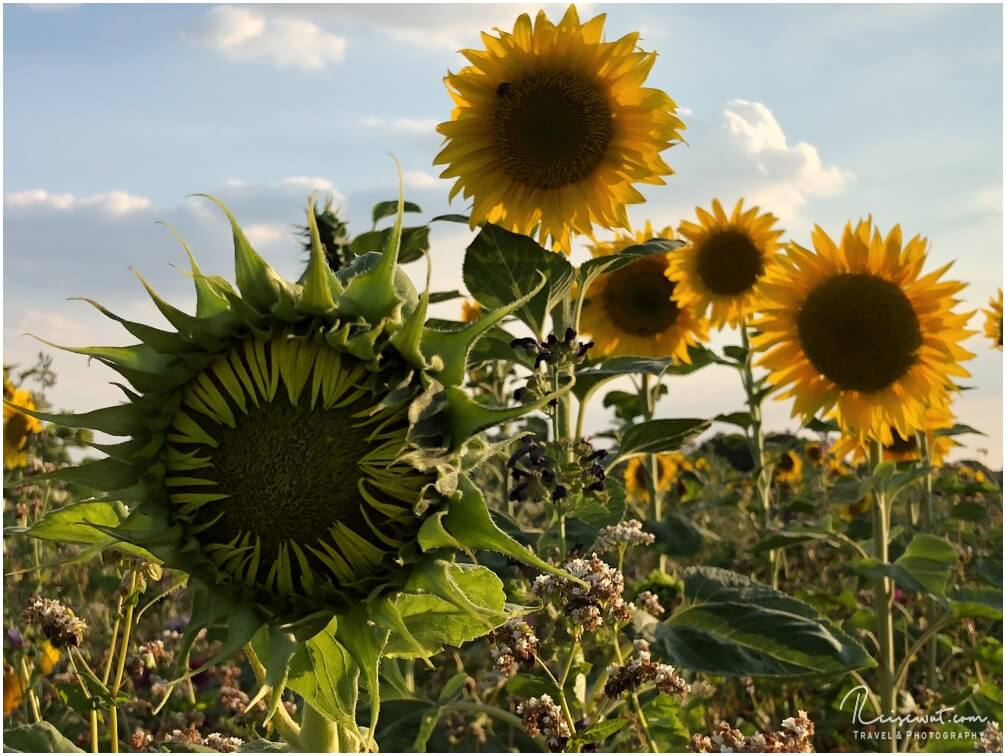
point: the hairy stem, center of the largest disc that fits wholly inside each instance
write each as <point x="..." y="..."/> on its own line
<point x="883" y="604"/>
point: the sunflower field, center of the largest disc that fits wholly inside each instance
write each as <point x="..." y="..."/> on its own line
<point x="323" y="520"/>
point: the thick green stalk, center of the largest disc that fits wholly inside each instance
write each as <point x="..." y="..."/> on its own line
<point x="925" y="459"/>
<point x="318" y="733"/>
<point x="883" y="606"/>
<point x="127" y="626"/>
<point x="756" y="443"/>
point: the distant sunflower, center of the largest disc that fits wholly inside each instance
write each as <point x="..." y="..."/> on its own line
<point x="636" y="477"/>
<point x="631" y="311"/>
<point x="726" y="258"/>
<point x="994" y="320"/>
<point x="788" y="469"/>
<point x="858" y="328"/>
<point x="553" y="126"/>
<point x="898" y="448"/>
<point x="17" y="426"/>
<point x="13" y="692"/>
<point x="814" y="453"/>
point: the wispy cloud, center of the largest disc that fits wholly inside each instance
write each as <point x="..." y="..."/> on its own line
<point x="401" y="125"/>
<point x="112" y="203"/>
<point x="245" y="35"/>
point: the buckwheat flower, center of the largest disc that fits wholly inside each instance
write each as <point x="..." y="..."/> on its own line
<point x="58" y="623"/>
<point x="140" y="740"/>
<point x="641" y="669"/>
<point x="222" y="743"/>
<point x="991" y="739"/>
<point x="649" y="602"/>
<point x="590" y="604"/>
<point x="541" y="716"/>
<point x="796" y="735"/>
<point x="515" y="642"/>
<point x="627" y="533"/>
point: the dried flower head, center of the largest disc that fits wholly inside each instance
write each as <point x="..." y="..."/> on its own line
<point x="649" y="602"/>
<point x="588" y="605"/>
<point x="641" y="669"/>
<point x="542" y="716"/>
<point x="991" y="739"/>
<point x="515" y="642"/>
<point x="796" y="735"/>
<point x="57" y="622"/>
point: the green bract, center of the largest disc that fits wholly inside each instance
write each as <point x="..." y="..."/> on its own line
<point x="300" y="451"/>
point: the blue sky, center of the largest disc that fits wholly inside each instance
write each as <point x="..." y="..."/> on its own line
<point x="114" y="114"/>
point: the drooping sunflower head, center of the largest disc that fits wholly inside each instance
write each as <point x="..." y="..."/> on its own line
<point x="859" y="328"/>
<point x="17" y="426"/>
<point x="899" y="448"/>
<point x="552" y="127"/>
<point x="631" y="310"/>
<point x="727" y="256"/>
<point x="994" y="320"/>
<point x="296" y="448"/>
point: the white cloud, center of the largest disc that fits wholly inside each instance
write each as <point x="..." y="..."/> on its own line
<point x="310" y="183"/>
<point x="245" y="35"/>
<point x="261" y="234"/>
<point x="419" y="180"/>
<point x="404" y="125"/>
<point x="112" y="203"/>
<point x="793" y="171"/>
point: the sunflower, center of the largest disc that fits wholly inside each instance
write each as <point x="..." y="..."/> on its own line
<point x="897" y="448"/>
<point x="17" y="426"/>
<point x="670" y="468"/>
<point x="858" y="328"/>
<point x="994" y="320"/>
<point x="553" y="126"/>
<point x="296" y="449"/>
<point x="814" y="453"/>
<point x="631" y="310"/>
<point x="725" y="259"/>
<point x="788" y="470"/>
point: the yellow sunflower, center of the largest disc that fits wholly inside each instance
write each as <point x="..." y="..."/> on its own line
<point x="17" y="426"/>
<point x="636" y="476"/>
<point x="631" y="311"/>
<point x="814" y="453"/>
<point x="858" y="328"/>
<point x="13" y="691"/>
<point x="994" y="320"/>
<point x="898" y="448"/>
<point x="726" y="258"/>
<point x="553" y="126"/>
<point x="788" y="469"/>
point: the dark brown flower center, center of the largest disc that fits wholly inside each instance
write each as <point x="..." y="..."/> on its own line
<point x="786" y="463"/>
<point x="729" y="262"/>
<point x="637" y="297"/>
<point x="552" y="128"/>
<point x="902" y="445"/>
<point x="859" y="331"/>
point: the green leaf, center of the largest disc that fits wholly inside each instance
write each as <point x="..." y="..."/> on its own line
<point x="589" y="379"/>
<point x="979" y="603"/>
<point x="610" y="263"/>
<point x="72" y="524"/>
<point x="501" y="266"/>
<point x="415" y="242"/>
<point x="656" y="436"/>
<point x="388" y="208"/>
<point x="261" y="745"/>
<point x="740" y="419"/>
<point x="323" y="672"/>
<point x="436" y="622"/>
<point x="40" y="737"/>
<point x="732" y="625"/>
<point x="444" y="296"/>
<point x="786" y="538"/>
<point x="676" y="535"/>
<point x="958" y="429"/>
<point x="924" y="567"/>
<point x="525" y="685"/>
<point x="596" y="733"/>
<point x="666" y="727"/>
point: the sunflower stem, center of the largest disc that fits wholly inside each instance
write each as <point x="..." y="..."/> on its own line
<point x="318" y="733"/>
<point x="127" y="626"/>
<point x="925" y="460"/>
<point x="652" y="463"/>
<point x="756" y="443"/>
<point x="883" y="604"/>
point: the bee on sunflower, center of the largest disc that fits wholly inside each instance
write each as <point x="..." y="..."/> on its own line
<point x="858" y="328"/>
<point x="994" y="320"/>
<point x="296" y="449"/>
<point x="727" y="256"/>
<point x="631" y="310"/>
<point x="552" y="127"/>
<point x="17" y="426"/>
